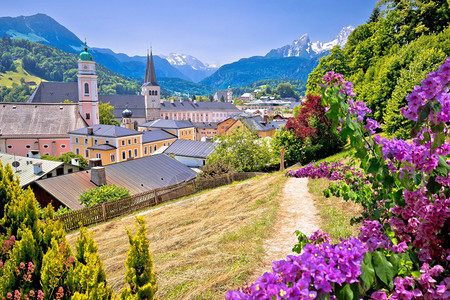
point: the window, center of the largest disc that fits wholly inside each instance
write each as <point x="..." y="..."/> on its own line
<point x="77" y="151"/>
<point x="88" y="116"/>
<point x="9" y="146"/>
<point x="164" y="144"/>
<point x="182" y="133"/>
<point x="113" y="157"/>
<point x="28" y="146"/>
<point x="135" y="153"/>
<point x="86" y="89"/>
<point x="86" y="141"/>
<point x="135" y="141"/>
<point x="124" y="155"/>
<point x="77" y="140"/>
<point x="151" y="148"/>
<point x="45" y="146"/>
<point x="123" y="142"/>
<point x="69" y="170"/>
<point x="155" y="148"/>
<point x="129" y="141"/>
<point x="145" y="150"/>
<point x="149" y="93"/>
<point x="156" y="93"/>
<point x="95" y="142"/>
<point x="130" y="154"/>
<point x="107" y="142"/>
<point x="98" y="155"/>
<point x="63" y="146"/>
<point x="86" y="152"/>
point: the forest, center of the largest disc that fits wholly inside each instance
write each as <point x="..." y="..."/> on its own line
<point x="385" y="58"/>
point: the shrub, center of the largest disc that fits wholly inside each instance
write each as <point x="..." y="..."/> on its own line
<point x="215" y="169"/>
<point x="101" y="194"/>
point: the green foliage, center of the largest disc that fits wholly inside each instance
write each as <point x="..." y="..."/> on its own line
<point x="106" y="114"/>
<point x="101" y="194"/>
<point x="16" y="93"/>
<point x="67" y="158"/>
<point x="184" y="87"/>
<point x="244" y="151"/>
<point x="293" y="146"/>
<point x="268" y="85"/>
<point x="88" y="278"/>
<point x="215" y="169"/>
<point x="140" y="276"/>
<point x="388" y="56"/>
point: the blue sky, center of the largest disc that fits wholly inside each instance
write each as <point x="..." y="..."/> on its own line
<point x="214" y="31"/>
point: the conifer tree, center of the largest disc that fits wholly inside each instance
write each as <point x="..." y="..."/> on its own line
<point x="140" y="275"/>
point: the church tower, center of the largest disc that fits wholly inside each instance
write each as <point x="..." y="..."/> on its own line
<point x="87" y="88"/>
<point x="151" y="91"/>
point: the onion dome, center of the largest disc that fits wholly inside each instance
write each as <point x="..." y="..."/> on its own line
<point x="85" y="55"/>
<point x="127" y="113"/>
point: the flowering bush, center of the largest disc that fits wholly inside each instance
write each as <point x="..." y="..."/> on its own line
<point x="404" y="236"/>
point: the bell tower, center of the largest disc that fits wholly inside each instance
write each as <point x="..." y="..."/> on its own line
<point x="151" y="91"/>
<point x="87" y="88"/>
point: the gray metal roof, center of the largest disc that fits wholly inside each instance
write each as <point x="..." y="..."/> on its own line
<point x="39" y="119"/>
<point x="135" y="103"/>
<point x="139" y="175"/>
<point x="106" y="130"/>
<point x="212" y="125"/>
<point x="25" y="170"/>
<point x="55" y="92"/>
<point x="190" y="148"/>
<point x="104" y="147"/>
<point x="277" y="124"/>
<point x="199" y="106"/>
<point x="168" y="124"/>
<point x="156" y="135"/>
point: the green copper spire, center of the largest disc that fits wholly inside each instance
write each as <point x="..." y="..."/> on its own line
<point x="85" y="55"/>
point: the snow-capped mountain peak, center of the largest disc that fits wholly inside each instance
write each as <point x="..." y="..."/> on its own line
<point x="303" y="47"/>
<point x="176" y="59"/>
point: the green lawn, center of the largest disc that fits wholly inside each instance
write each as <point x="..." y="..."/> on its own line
<point x="7" y="79"/>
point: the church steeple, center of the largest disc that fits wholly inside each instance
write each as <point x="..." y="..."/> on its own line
<point x="150" y="74"/>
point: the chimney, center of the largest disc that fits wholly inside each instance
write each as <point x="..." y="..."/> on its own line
<point x="195" y="101"/>
<point x="171" y="100"/>
<point x="98" y="176"/>
<point x="34" y="154"/>
<point x="95" y="162"/>
<point x="75" y="162"/>
<point x="37" y="168"/>
<point x="90" y="131"/>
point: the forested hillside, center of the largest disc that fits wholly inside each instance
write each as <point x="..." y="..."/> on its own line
<point x="299" y="86"/>
<point x="51" y="64"/>
<point x="390" y="54"/>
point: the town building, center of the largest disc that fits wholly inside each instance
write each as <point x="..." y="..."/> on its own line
<point x="138" y="176"/>
<point x="144" y="107"/>
<point x="205" y="131"/>
<point x="190" y="153"/>
<point x="110" y="143"/>
<point x="251" y="122"/>
<point x="43" y="126"/>
<point x="224" y="96"/>
<point x="182" y="129"/>
<point x="154" y="140"/>
<point x="30" y="169"/>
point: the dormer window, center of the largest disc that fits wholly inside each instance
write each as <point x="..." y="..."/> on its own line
<point x="86" y="89"/>
<point x="88" y="116"/>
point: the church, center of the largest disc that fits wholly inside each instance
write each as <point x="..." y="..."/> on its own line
<point x="144" y="107"/>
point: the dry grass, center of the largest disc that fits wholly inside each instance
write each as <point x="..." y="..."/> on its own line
<point x="202" y="246"/>
<point x="335" y="212"/>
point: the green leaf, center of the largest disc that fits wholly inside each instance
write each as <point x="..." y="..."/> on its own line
<point x="443" y="166"/>
<point x="383" y="268"/>
<point x="432" y="185"/>
<point x="367" y="272"/>
<point x="345" y="293"/>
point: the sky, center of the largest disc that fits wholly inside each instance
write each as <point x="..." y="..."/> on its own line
<point x="215" y="31"/>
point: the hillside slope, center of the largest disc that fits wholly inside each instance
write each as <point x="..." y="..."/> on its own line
<point x="202" y="246"/>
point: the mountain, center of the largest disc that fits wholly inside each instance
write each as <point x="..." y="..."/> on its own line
<point x="45" y="30"/>
<point x="294" y="61"/>
<point x="248" y="70"/>
<point x="190" y="66"/>
<point x="303" y="47"/>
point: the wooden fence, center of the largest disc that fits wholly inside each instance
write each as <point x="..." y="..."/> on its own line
<point x="106" y="211"/>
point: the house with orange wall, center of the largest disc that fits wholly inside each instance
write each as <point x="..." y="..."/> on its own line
<point x="183" y="129"/>
<point x="110" y="143"/>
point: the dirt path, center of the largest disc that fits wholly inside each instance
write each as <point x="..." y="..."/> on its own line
<point x="296" y="212"/>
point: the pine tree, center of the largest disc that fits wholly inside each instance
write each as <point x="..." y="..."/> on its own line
<point x="140" y="275"/>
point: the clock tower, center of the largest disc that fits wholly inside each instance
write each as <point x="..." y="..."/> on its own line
<point x="87" y="88"/>
<point x="151" y="91"/>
